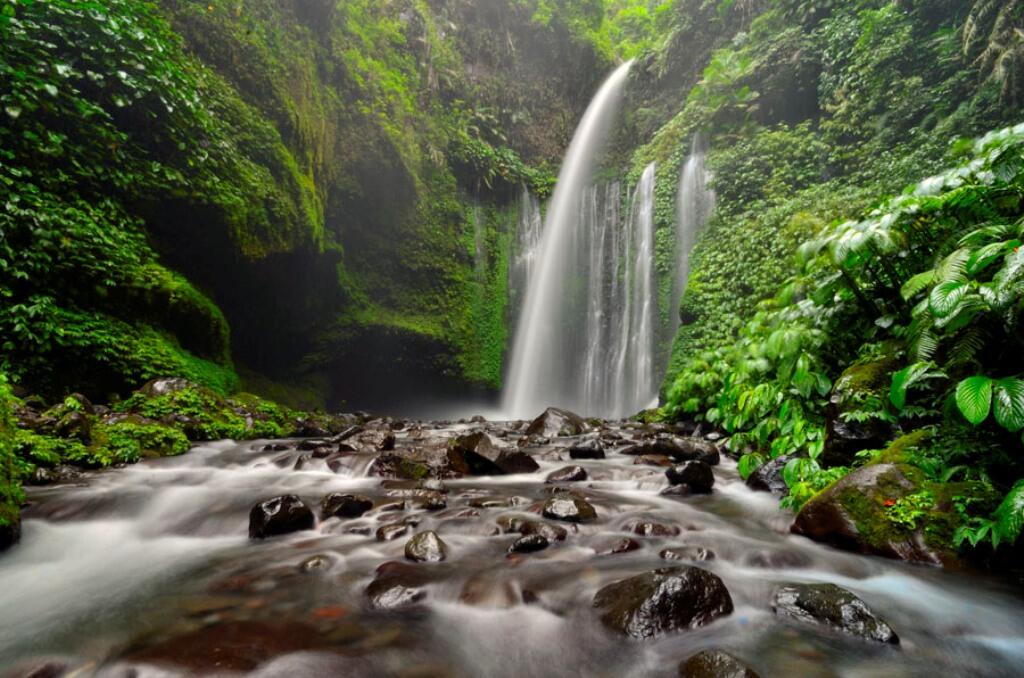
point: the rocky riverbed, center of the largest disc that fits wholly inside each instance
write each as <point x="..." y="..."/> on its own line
<point x="396" y="548"/>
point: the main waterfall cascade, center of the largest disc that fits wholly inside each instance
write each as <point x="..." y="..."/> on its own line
<point x="589" y="336"/>
<point x="695" y="202"/>
<point x="543" y="370"/>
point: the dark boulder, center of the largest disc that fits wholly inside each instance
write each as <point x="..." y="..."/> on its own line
<point x="278" y="516"/>
<point x="588" y="449"/>
<point x="714" y="664"/>
<point x="569" y="474"/>
<point x="678" y="449"/>
<point x="531" y="543"/>
<point x="652" y="460"/>
<point x="624" y="545"/>
<point x="669" y="599"/>
<point x="10" y="534"/>
<point x="398" y="466"/>
<point x="832" y="606"/>
<point x="397" y="585"/>
<point x="537" y="527"/>
<point x="426" y="547"/>
<point x="570" y="509"/>
<point x="695" y="475"/>
<point x="852" y="514"/>
<point x="392" y="531"/>
<point x="555" y="422"/>
<point x="482" y="456"/>
<point x="344" y="506"/>
<point x="768" y="478"/>
<point x="432" y="501"/>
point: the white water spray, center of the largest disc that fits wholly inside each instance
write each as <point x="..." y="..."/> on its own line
<point x="695" y="203"/>
<point x="538" y="375"/>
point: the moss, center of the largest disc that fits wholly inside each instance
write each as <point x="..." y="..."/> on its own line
<point x="11" y="495"/>
<point x="869" y="511"/>
<point x="901" y="450"/>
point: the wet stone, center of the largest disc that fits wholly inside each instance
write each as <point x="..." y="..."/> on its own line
<point x="278" y="516"/>
<point x="531" y="543"/>
<point x="624" y="545"/>
<point x="590" y="449"/>
<point x="832" y="606"/>
<point x="426" y="547"/>
<point x="344" y="506"/>
<point x="696" y="476"/>
<point x="433" y="501"/>
<point x="396" y="585"/>
<point x="550" y="532"/>
<point x="392" y="531"/>
<point x="555" y="422"/>
<point x="315" y="563"/>
<point x="714" y="664"/>
<point x="694" y="554"/>
<point x="569" y="474"/>
<point x="646" y="528"/>
<point x="653" y="460"/>
<point x="569" y="509"/>
<point x="665" y="600"/>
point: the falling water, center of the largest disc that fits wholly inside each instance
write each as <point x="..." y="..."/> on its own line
<point x="530" y="226"/>
<point x="695" y="203"/>
<point x="541" y="372"/>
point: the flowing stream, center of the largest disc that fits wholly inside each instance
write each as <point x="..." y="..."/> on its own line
<point x="148" y="571"/>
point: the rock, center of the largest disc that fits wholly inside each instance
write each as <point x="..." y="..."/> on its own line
<point x="714" y="664"/>
<point x="10" y="534"/>
<point x="653" y="460"/>
<point x="76" y="425"/>
<point x="668" y="599"/>
<point x="314" y="564"/>
<point x="569" y="474"/>
<point x="531" y="543"/>
<point x="678" y="449"/>
<point x="555" y="422"/>
<point x="344" y="506"/>
<point x="278" y="516"/>
<point x="490" y="589"/>
<point x="768" y="478"/>
<point x="57" y="474"/>
<point x="536" y="527"/>
<point x="569" y="509"/>
<point x="646" y="528"/>
<point x="588" y="449"/>
<point x="852" y="514"/>
<point x="372" y="440"/>
<point x="621" y="546"/>
<point x="694" y="554"/>
<point x="161" y="387"/>
<point x="484" y="457"/>
<point x="433" y="501"/>
<point x="695" y="475"/>
<point x="426" y="547"/>
<point x="398" y="466"/>
<point x="397" y="585"/>
<point x="832" y="606"/>
<point x="433" y="485"/>
<point x="392" y="531"/>
<point x="844" y="439"/>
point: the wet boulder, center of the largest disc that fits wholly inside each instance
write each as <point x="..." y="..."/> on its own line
<point x="530" y="543"/>
<point x="538" y="527"/>
<point x="392" y="531"/>
<point x="397" y="585"/>
<point x="678" y="449"/>
<point x="665" y="600"/>
<point x="344" y="506"/>
<point x="714" y="664"/>
<point x="10" y="534"/>
<point x="696" y="476"/>
<point x="280" y="515"/>
<point x="426" y="547"/>
<point x="371" y="440"/>
<point x="624" y="545"/>
<point x="768" y="478"/>
<point x="852" y="514"/>
<point x="652" y="460"/>
<point x="482" y="456"/>
<point x="432" y="501"/>
<point x="832" y="606"/>
<point x="569" y="474"/>
<point x="587" y="449"/>
<point x="569" y="509"/>
<point x="555" y="422"/>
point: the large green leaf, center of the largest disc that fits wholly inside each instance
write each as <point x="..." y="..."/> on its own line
<point x="946" y="296"/>
<point x="1009" y="517"/>
<point x="974" y="398"/>
<point x="907" y="377"/>
<point x="1008" y="403"/>
<point x="916" y="284"/>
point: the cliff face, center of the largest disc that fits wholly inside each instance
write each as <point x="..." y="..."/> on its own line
<point x="289" y="184"/>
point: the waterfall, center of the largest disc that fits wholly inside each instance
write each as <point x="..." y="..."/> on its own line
<point x="530" y="224"/>
<point x="541" y="372"/>
<point x="695" y="203"/>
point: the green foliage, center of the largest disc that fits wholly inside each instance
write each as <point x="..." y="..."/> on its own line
<point x="11" y="495"/>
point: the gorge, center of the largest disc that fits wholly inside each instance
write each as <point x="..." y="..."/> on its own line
<point x="511" y="337"/>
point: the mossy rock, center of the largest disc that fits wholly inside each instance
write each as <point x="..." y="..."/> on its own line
<point x="858" y="385"/>
<point x="861" y="513"/>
